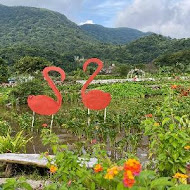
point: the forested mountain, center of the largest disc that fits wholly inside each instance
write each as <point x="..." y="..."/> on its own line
<point x="145" y="50"/>
<point x="42" y="33"/>
<point x="41" y="28"/>
<point x="113" y="35"/>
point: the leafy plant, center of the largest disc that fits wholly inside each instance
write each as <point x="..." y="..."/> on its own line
<point x="169" y="134"/>
<point x="12" y="184"/>
<point x="9" y="144"/>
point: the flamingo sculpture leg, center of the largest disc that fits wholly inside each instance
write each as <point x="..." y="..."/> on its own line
<point x="88" y="116"/>
<point x="42" y="104"/>
<point x="33" y="115"/>
<point x="95" y="99"/>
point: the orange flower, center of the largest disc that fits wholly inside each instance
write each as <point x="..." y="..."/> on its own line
<point x="128" y="179"/>
<point x="98" y="168"/>
<point x="53" y="169"/>
<point x="133" y="165"/>
<point x="187" y="147"/>
<point x="148" y="115"/>
<point x="180" y="175"/>
<point x="174" y="86"/>
<point x="44" y="125"/>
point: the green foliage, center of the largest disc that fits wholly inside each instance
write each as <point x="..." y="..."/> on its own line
<point x="178" y="61"/>
<point x="4" y="75"/>
<point x="129" y="90"/>
<point x="4" y="93"/>
<point x="145" y="50"/>
<point x="16" y="144"/>
<point x="149" y="180"/>
<point x="32" y="36"/>
<point x="12" y="184"/>
<point x="39" y="28"/>
<point x="4" y="126"/>
<point x="31" y="65"/>
<point x="169" y="134"/>
<point x="24" y="121"/>
<point x="123" y="70"/>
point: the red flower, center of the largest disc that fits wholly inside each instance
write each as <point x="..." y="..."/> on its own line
<point x="128" y="179"/>
<point x="148" y="115"/>
<point x="184" y="93"/>
<point x="44" y="125"/>
<point x="98" y="168"/>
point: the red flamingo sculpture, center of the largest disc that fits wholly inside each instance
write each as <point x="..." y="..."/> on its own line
<point x="94" y="99"/>
<point x="42" y="104"/>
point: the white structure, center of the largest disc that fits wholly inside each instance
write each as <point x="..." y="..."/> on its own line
<point x="135" y="74"/>
<point x="78" y="59"/>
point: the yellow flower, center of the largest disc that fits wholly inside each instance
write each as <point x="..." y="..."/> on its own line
<point x="156" y="124"/>
<point x="187" y="147"/>
<point x="111" y="172"/>
<point x="183" y="180"/>
<point x="53" y="169"/>
<point x="179" y="176"/>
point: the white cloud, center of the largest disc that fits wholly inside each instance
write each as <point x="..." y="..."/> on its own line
<point x="87" y="22"/>
<point x="167" y="17"/>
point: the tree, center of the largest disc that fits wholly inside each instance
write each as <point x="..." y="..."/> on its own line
<point x="4" y="75"/>
<point x="31" y="65"/>
<point x="123" y="70"/>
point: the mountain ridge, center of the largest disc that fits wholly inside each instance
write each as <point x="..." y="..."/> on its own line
<point x="40" y="32"/>
<point x="120" y="35"/>
<point x="39" y="27"/>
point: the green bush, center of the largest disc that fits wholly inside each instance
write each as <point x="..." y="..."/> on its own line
<point x="20" y="93"/>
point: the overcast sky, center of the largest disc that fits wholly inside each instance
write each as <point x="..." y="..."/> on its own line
<point x="167" y="17"/>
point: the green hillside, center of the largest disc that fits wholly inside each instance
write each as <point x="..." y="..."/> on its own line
<point x="113" y="35"/>
<point x="42" y="33"/>
<point x="145" y="50"/>
<point x="41" y="28"/>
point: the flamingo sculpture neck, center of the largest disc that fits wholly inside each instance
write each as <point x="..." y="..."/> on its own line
<point x="100" y="66"/>
<point x="51" y="83"/>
